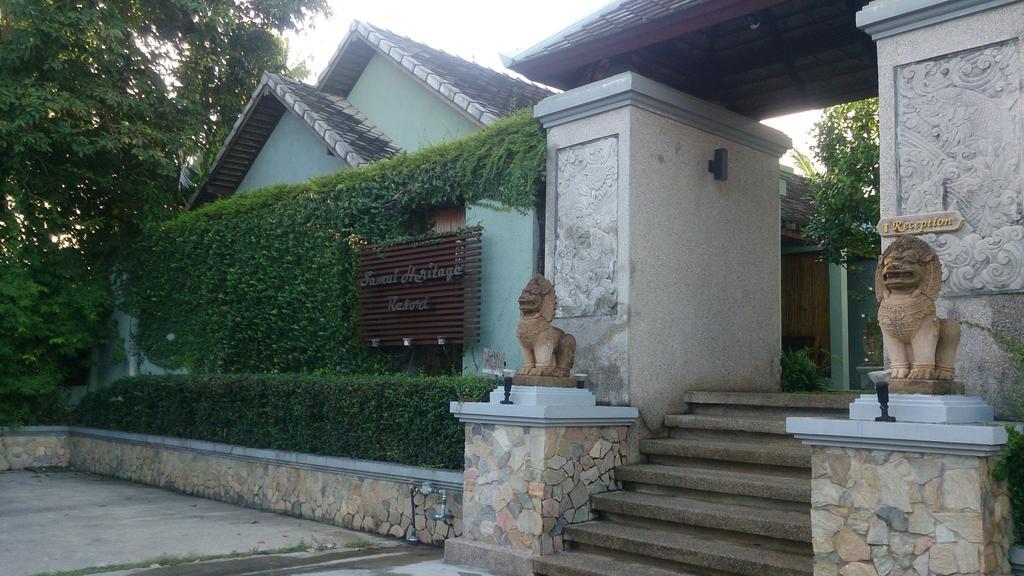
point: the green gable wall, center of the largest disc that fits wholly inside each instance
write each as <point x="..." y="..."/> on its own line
<point x="291" y="154"/>
<point x="510" y="244"/>
<point x="405" y="110"/>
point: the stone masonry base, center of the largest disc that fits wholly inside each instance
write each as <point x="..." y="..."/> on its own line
<point x="18" y="452"/>
<point x="524" y="484"/>
<point x="299" y="485"/>
<point x="882" y="512"/>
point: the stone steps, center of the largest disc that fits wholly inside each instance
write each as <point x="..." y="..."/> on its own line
<point x="767" y="406"/>
<point x="760" y="454"/>
<point x="790" y="402"/>
<point x="757" y="521"/>
<point x="747" y="424"/>
<point x="765" y="486"/>
<point x="726" y="494"/>
<point x="590" y="564"/>
<point x="691" y="550"/>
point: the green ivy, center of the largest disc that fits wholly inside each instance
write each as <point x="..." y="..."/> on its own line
<point x="391" y="418"/>
<point x="1011" y="469"/>
<point x="265" y="281"/>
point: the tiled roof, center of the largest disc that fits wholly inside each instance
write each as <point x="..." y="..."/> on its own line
<point x="484" y="94"/>
<point x="343" y="129"/>
<point x="796" y="204"/>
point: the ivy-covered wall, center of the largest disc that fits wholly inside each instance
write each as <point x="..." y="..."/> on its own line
<point x="265" y="281"/>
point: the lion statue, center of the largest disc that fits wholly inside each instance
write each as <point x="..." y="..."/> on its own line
<point x="547" y="351"/>
<point x="921" y="346"/>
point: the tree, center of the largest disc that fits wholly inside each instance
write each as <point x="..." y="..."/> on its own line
<point x="845" y="194"/>
<point x="101" y="104"/>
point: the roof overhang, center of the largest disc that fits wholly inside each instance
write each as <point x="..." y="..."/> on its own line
<point x="760" y="58"/>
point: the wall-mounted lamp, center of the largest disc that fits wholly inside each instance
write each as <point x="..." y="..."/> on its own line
<point x="375" y="342"/>
<point x="507" y="384"/>
<point x="720" y="165"/>
<point x="441" y="340"/>
<point x="407" y="341"/>
<point x="753" y="21"/>
<point x="880" y="378"/>
<point x="581" y="380"/>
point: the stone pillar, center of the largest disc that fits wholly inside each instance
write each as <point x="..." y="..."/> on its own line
<point x="531" y="468"/>
<point x="951" y="119"/>
<point x="906" y="498"/>
<point x="668" y="278"/>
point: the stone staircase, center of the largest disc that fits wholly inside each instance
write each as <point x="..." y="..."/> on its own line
<point x="726" y="493"/>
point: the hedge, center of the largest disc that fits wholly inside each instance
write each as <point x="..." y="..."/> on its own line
<point x="265" y="281"/>
<point x="390" y="418"/>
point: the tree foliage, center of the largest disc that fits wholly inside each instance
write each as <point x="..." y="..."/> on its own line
<point x="845" y="194"/>
<point x="265" y="280"/>
<point x="101" y="102"/>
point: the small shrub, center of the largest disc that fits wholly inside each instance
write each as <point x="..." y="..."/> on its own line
<point x="799" y="373"/>
<point x="391" y="418"/>
<point x="1011" y="469"/>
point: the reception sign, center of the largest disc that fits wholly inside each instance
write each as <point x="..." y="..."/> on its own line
<point x="930" y="223"/>
<point x="424" y="292"/>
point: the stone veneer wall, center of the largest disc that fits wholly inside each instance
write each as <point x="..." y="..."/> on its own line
<point x="524" y="484"/>
<point x="300" y="485"/>
<point x="19" y="451"/>
<point x="885" y="513"/>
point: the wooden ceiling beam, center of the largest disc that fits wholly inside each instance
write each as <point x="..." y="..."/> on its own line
<point x="779" y="39"/>
<point x="545" y="67"/>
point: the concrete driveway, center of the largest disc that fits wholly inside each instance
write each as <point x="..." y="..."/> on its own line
<point x="61" y="521"/>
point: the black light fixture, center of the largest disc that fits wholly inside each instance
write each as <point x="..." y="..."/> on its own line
<point x="882" y="391"/>
<point x="581" y="381"/>
<point x="508" y="386"/>
<point x="720" y="165"/>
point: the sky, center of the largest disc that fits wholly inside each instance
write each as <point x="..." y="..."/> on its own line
<point x="477" y="30"/>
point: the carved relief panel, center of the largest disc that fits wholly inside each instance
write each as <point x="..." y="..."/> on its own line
<point x="586" y="233"/>
<point x="959" y="148"/>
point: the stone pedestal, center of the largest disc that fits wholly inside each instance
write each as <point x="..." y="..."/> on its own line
<point x="932" y="387"/>
<point x="924" y="408"/>
<point x="547" y="381"/>
<point x="530" y="471"/>
<point x="951" y="122"/>
<point x="907" y="498"/>
<point x="668" y="278"/>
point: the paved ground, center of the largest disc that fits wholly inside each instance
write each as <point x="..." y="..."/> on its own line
<point x="59" y="521"/>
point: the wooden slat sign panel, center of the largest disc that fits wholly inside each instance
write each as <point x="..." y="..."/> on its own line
<point x="423" y="290"/>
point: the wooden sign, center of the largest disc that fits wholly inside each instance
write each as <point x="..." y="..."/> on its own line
<point x="931" y="223"/>
<point x="424" y="292"/>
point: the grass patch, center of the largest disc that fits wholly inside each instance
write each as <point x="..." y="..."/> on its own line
<point x="165" y="561"/>
<point x="359" y="543"/>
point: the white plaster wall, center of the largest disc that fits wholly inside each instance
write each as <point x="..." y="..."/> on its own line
<point x="705" y="281"/>
<point x="984" y="367"/>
